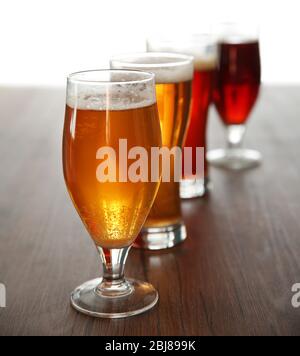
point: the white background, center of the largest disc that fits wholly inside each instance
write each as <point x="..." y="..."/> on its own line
<point x="44" y="40"/>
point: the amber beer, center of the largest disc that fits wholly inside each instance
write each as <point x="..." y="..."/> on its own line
<point x="204" y="50"/>
<point x="173" y="101"/>
<point x="173" y="76"/>
<point x="113" y="212"/>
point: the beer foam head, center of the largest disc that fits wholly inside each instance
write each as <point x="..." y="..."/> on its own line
<point x="110" y="90"/>
<point x="167" y="67"/>
<point x="206" y="63"/>
<point x="200" y="46"/>
<point x="237" y="32"/>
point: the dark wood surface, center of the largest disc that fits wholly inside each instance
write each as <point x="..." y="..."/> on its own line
<point x="233" y="276"/>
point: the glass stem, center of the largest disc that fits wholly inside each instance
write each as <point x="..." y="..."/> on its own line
<point x="235" y="136"/>
<point x="113" y="283"/>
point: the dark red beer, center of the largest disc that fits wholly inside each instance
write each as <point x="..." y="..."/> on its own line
<point x="237" y="81"/>
<point x="202" y="91"/>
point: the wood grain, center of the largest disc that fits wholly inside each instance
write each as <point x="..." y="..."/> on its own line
<point x="234" y="274"/>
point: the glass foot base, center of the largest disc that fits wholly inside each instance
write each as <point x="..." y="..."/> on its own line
<point x="88" y="299"/>
<point x="161" y="238"/>
<point x="193" y="188"/>
<point x="234" y="159"/>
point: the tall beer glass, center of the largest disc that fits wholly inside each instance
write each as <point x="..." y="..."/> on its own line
<point x="104" y="107"/>
<point x="236" y="91"/>
<point x="164" y="227"/>
<point x="204" y="50"/>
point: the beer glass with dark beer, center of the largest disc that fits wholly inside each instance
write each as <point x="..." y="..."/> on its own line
<point x="164" y="227"/>
<point x="104" y="107"/>
<point x="204" y="50"/>
<point x="236" y="90"/>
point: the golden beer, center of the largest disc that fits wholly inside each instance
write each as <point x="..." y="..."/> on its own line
<point x="173" y="77"/>
<point x="112" y="212"/>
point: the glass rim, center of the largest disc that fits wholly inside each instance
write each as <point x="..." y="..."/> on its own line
<point x="253" y="24"/>
<point x="148" y="77"/>
<point x="202" y="38"/>
<point x="123" y="59"/>
<point x="250" y="30"/>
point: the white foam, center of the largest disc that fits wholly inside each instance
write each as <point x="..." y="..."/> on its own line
<point x="168" y="68"/>
<point x="205" y="63"/>
<point x="237" y="39"/>
<point x="202" y="47"/>
<point x="113" y="96"/>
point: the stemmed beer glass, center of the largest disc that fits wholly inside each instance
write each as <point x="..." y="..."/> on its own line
<point x="236" y="90"/>
<point x="104" y="107"/>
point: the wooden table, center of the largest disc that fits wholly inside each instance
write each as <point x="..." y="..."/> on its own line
<point x="233" y="276"/>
